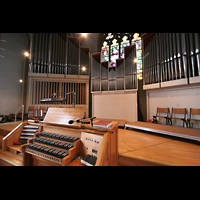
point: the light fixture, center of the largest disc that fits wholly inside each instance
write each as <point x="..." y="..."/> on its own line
<point x="135" y="60"/>
<point x="84" y="34"/>
<point x="20" y="80"/>
<point x="83" y="69"/>
<point x="26" y="54"/>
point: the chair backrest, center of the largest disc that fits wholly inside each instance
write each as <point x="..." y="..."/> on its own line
<point x="194" y="111"/>
<point x="30" y="111"/>
<point x="43" y="107"/>
<point x="32" y="107"/>
<point x="38" y="113"/>
<point x="162" y="110"/>
<point x="179" y="111"/>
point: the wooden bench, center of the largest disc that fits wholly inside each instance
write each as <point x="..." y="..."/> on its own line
<point x="162" y="111"/>
<point x="178" y="111"/>
<point x="10" y="159"/>
<point x="193" y="111"/>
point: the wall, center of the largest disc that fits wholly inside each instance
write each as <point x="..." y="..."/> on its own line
<point x="11" y="70"/>
<point x="115" y="105"/>
<point x="177" y="97"/>
<point x="90" y="40"/>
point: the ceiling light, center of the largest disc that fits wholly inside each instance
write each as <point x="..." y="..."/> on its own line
<point x="84" y="34"/>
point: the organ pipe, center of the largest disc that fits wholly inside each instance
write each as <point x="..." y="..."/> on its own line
<point x="50" y="53"/>
<point x="176" y="56"/>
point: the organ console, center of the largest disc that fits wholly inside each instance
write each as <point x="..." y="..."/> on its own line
<point x="58" y="143"/>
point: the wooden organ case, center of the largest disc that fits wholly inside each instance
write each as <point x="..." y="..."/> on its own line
<point x="59" y="143"/>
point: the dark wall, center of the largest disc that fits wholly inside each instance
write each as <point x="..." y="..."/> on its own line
<point x="12" y="66"/>
<point x="141" y="101"/>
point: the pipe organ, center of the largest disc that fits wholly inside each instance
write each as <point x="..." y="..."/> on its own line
<point x="121" y="77"/>
<point x="44" y="89"/>
<point x="58" y="64"/>
<point x="52" y="54"/>
<point x="170" y="56"/>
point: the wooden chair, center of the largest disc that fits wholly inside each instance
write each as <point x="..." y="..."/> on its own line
<point x="176" y="111"/>
<point x="193" y="111"/>
<point x="31" y="110"/>
<point x="159" y="114"/>
<point x="44" y="108"/>
<point x="1" y="118"/>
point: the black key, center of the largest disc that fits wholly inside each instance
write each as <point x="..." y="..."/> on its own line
<point x="64" y="154"/>
<point x="70" y="146"/>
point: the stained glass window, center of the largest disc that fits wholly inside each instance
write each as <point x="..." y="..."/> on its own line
<point x="137" y="41"/>
<point x="105" y="51"/>
<point x="114" y="48"/>
<point x="109" y="36"/>
<point x="114" y="51"/>
<point x="124" y="43"/>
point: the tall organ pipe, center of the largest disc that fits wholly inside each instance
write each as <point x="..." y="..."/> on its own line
<point x="49" y="53"/>
<point x="39" y="52"/>
<point x="43" y="52"/>
<point x="46" y="53"/>
<point x="35" y="52"/>
<point x="31" y="52"/>
<point x="197" y="51"/>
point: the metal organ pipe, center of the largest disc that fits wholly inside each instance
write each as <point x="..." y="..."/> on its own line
<point x="184" y="54"/>
<point x="39" y="52"/>
<point x="35" y="52"/>
<point x="49" y="53"/>
<point x="43" y="52"/>
<point x="46" y="52"/>
<point x="171" y="55"/>
<point x="167" y="56"/>
<point x="197" y="51"/>
<point x="174" y="56"/>
<point x="158" y="58"/>
<point x="31" y="52"/>
<point x="177" y="55"/>
<point x="192" y="72"/>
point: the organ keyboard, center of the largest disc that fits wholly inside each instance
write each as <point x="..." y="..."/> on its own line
<point x="54" y="148"/>
<point x="58" y="143"/>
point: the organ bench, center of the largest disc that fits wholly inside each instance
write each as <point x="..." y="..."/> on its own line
<point x="58" y="143"/>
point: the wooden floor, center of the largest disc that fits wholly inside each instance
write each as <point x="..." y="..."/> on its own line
<point x="138" y="148"/>
<point x="182" y="132"/>
<point x="142" y="149"/>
